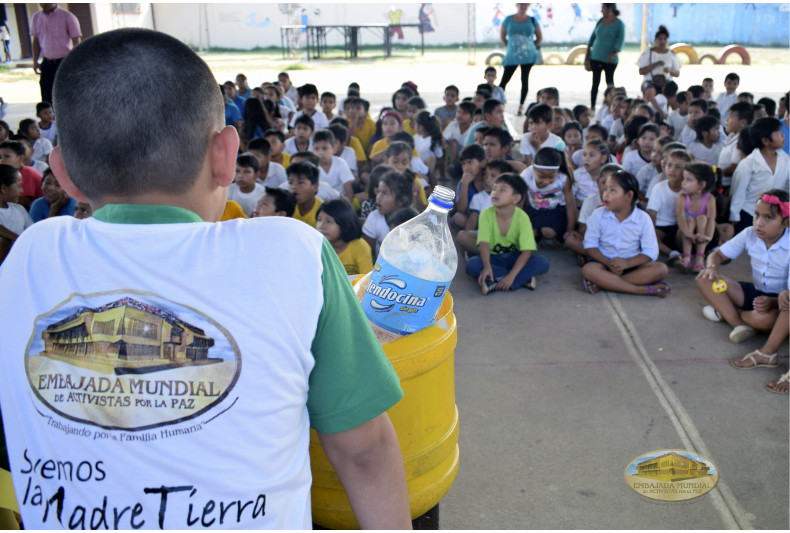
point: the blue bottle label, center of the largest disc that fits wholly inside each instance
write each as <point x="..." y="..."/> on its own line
<point x="399" y="302"/>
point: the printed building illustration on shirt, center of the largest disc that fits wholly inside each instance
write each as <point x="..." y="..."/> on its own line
<point x="126" y="337"/>
<point x="672" y="467"/>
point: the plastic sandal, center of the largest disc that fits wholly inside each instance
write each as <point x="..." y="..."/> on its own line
<point x="772" y="358"/>
<point x="683" y="263"/>
<point x="781" y="379"/>
<point x="659" y="292"/>
<point x="699" y="264"/>
<point x="589" y="286"/>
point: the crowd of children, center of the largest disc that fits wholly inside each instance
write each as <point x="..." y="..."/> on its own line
<point x="678" y="174"/>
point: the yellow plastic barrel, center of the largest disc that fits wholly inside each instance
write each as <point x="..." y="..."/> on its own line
<point x="426" y="421"/>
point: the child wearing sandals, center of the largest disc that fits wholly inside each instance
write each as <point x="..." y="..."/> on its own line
<point x="745" y="306"/>
<point x="696" y="212"/>
<point x="621" y="244"/>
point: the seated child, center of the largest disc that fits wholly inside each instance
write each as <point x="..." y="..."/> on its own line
<point x="497" y="143"/>
<point x="395" y="192"/>
<point x="401" y="216"/>
<point x="746" y="306"/>
<point x="360" y="124"/>
<point x="55" y="203"/>
<point x="614" y="123"/>
<point x="575" y="239"/>
<point x="726" y="99"/>
<point x="467" y="238"/>
<point x="5" y="131"/>
<point x="698" y="108"/>
<point x="648" y="172"/>
<point x="28" y="161"/>
<point x="13" y="153"/>
<point x="572" y="137"/>
<point x="28" y="128"/>
<point x="472" y="181"/>
<point x="302" y="141"/>
<point x="245" y="189"/>
<point x="497" y="92"/>
<point x="13" y="217"/>
<point x="665" y="150"/>
<point x="325" y="191"/>
<point x="399" y="156"/>
<point x="428" y="142"/>
<point x="447" y="112"/>
<point x="646" y="139"/>
<point x="678" y="117"/>
<point x="663" y="198"/>
<point x="559" y="118"/>
<point x="539" y="120"/>
<point x="271" y="174"/>
<point x="328" y="104"/>
<point x="344" y="151"/>
<point x="506" y="241"/>
<point x="83" y="210"/>
<point x="275" y="202"/>
<point x="696" y="215"/>
<point x="549" y="96"/>
<point x="337" y="221"/>
<point x="766" y="167"/>
<point x="46" y="124"/>
<point x="332" y="169"/>
<point x="303" y="184"/>
<point x="595" y="131"/>
<point x="413" y="106"/>
<point x="594" y="156"/>
<point x="581" y="114"/>
<point x="276" y="141"/>
<point x="456" y="131"/>
<point x="777" y="338"/>
<point x="739" y="116"/>
<point x="550" y="206"/>
<point x="369" y="204"/>
<point x="621" y="244"/>
<point x="390" y="124"/>
<point x="308" y="98"/>
<point x="706" y="147"/>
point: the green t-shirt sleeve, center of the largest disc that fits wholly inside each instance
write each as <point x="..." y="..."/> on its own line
<point x="484" y="226"/>
<point x="352" y="381"/>
<point x="526" y="238"/>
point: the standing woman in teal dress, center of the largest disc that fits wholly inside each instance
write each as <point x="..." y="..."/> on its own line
<point x="605" y="43"/>
<point x="521" y="33"/>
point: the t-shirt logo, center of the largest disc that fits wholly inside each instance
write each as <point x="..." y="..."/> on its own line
<point x="130" y="361"/>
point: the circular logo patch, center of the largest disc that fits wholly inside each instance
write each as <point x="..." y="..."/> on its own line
<point x="672" y="475"/>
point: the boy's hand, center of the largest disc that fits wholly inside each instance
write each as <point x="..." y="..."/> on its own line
<point x="485" y="274"/>
<point x="467" y="177"/>
<point x="617" y="265"/>
<point x="573" y="235"/>
<point x="505" y="283"/>
<point x="784" y="301"/>
<point x="534" y="142"/>
<point x="711" y="273"/>
<point x="62" y="200"/>
<point x="763" y="304"/>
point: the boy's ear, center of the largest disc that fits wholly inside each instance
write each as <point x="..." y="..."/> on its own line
<point x="223" y="148"/>
<point x="59" y="169"/>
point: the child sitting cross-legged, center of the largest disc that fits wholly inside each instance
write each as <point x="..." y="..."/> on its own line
<point x="337" y="221"/>
<point x="506" y="260"/>
<point x="621" y="244"/>
<point x="750" y="306"/>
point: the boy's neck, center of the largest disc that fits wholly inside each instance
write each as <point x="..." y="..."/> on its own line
<point x="44" y="124"/>
<point x="542" y="138"/>
<point x="707" y="143"/>
<point x="329" y="116"/>
<point x="674" y="187"/>
<point x="645" y="157"/>
<point x="3" y="204"/>
<point x="450" y="107"/>
<point x="264" y="170"/>
<point x="306" y="207"/>
<point x="505" y="212"/>
<point x="277" y="159"/>
<point x="246" y="188"/>
<point x="306" y="144"/>
<point x="768" y="153"/>
<point x="326" y="165"/>
<point x="309" y="112"/>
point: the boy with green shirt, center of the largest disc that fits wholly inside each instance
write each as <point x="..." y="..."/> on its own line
<point x="211" y="382"/>
<point x="506" y="241"/>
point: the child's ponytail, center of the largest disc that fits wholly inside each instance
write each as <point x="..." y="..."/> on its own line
<point x="431" y="126"/>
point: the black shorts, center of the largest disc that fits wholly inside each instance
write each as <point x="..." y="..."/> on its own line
<point x="556" y="219"/>
<point x="750" y="293"/>
<point x="669" y="235"/>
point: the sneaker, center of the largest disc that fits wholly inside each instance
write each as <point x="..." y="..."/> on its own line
<point x="468" y="255"/>
<point x="674" y="256"/>
<point x="741" y="333"/>
<point x="532" y="284"/>
<point x="488" y="287"/>
<point x="711" y="314"/>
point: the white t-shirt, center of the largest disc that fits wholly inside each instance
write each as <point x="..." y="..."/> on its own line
<point x="418" y="166"/>
<point x="549" y="197"/>
<point x="50" y="133"/>
<point x="633" y="162"/>
<point x="527" y="149"/>
<point x="590" y="204"/>
<point x="752" y="177"/>
<point x="15" y="218"/>
<point x="724" y="102"/>
<point x="339" y="174"/>
<point x="319" y="119"/>
<point x="453" y="133"/>
<point x="41" y="149"/>
<point x="704" y="154"/>
<point x="583" y="185"/>
<point x="350" y="157"/>
<point x="290" y="146"/>
<point x="687" y="135"/>
<point x="247" y="200"/>
<point x="670" y="59"/>
<point x="423" y="147"/>
<point x="602" y="113"/>
<point x="677" y="121"/>
<point x="645" y="176"/>
<point x="729" y="155"/>
<point x="655" y="180"/>
<point x="325" y="191"/>
<point x="662" y="200"/>
<point x="275" y="175"/>
<point x="376" y="227"/>
<point x="617" y="130"/>
<point x="480" y="201"/>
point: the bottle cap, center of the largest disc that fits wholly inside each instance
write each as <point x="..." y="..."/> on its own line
<point x="442" y="197"/>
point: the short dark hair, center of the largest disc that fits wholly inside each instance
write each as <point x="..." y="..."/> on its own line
<point x="327" y="94"/>
<point x="473" y="151"/>
<point x="307" y="89"/>
<point x="324" y="136"/>
<point x="762" y="128"/>
<point x="106" y="94"/>
<point x="699" y="102"/>
<point x="732" y="76"/>
<point x="696" y="90"/>
<point x="500" y="164"/>
<point x="303" y="168"/>
<point x="310" y="157"/>
<point x="396" y="148"/>
<point x="404" y="214"/>
<point x="259" y="144"/>
<point x="502" y="136"/>
<point x="670" y="89"/>
<point x="342" y="121"/>
<point x="489" y="69"/>
<point x="600" y="129"/>
<point x="541" y="113"/>
<point x="284" y="200"/>
<point x="490" y="105"/>
<point x="339" y="131"/>
<point x="515" y="182"/>
<point x="578" y="110"/>
<point x="770" y="105"/>
<point x="628" y="183"/>
<point x="572" y="125"/>
<point x="649" y="127"/>
<point x="704" y="124"/>
<point x="417" y="102"/>
<point x="247" y="160"/>
<point x="345" y="217"/>
<point x="452" y="88"/>
<point x="400" y="184"/>
<point x="16" y="146"/>
<point x="747" y="94"/>
<point x="24" y="124"/>
<point x="681" y="153"/>
<point x="485" y="93"/>
<point x="713" y="112"/>
<point x="468" y="107"/>
<point x="41" y="106"/>
<point x="280" y="135"/>
<point x="305" y="120"/>
<point x="404" y="137"/>
<point x="681" y="97"/>
<point x="8" y="175"/>
<point x="744" y="110"/>
<point x="552" y="92"/>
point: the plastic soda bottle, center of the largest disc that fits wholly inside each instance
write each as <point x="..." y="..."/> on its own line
<point x="415" y="267"/>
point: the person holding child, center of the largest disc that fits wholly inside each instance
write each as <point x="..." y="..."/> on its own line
<point x="159" y="181"/>
<point x="751" y="306"/>
<point x="622" y="245"/>
<point x="521" y="34"/>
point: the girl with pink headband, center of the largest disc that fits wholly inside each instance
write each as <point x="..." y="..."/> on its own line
<point x="753" y="306"/>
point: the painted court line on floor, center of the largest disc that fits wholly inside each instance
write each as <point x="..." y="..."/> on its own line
<point x="722" y="498"/>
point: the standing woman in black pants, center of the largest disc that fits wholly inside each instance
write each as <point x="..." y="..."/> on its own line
<point x="605" y="43"/>
<point x="521" y="34"/>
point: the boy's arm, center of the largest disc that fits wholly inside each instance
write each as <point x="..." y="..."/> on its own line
<point x="471" y="221"/>
<point x="452" y="147"/>
<point x="462" y="205"/>
<point x="7" y="233"/>
<point x="484" y="248"/>
<point x="368" y="461"/>
<point x="680" y="214"/>
<point x="348" y="190"/>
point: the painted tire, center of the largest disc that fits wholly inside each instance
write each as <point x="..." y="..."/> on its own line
<point x="709" y="57"/>
<point x="495" y="58"/>
<point x="734" y="49"/>
<point x="687" y="50"/>
<point x="576" y="55"/>
<point x="553" y="59"/>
